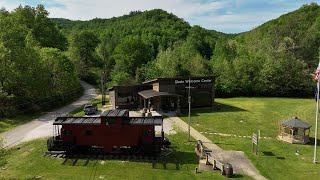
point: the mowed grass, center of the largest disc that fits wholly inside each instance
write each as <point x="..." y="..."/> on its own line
<point x="244" y="116"/>
<point x="27" y="162"/>
<point x="7" y="124"/>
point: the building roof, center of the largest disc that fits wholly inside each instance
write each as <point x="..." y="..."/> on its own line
<point x="295" y="122"/>
<point x="137" y="86"/>
<point x="177" y="78"/>
<point x="155" y="120"/>
<point x="152" y="93"/>
<point x="77" y="120"/>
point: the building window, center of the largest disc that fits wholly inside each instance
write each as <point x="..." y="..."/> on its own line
<point x="124" y="98"/>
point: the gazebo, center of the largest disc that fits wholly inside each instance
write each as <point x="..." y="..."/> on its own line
<point x="294" y="131"/>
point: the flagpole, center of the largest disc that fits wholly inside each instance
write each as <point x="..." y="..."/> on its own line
<point x="316" y="130"/>
<point x="189" y="101"/>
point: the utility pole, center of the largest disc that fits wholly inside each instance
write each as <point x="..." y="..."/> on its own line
<point x="104" y="78"/>
<point x="189" y="101"/>
<point x="103" y="87"/>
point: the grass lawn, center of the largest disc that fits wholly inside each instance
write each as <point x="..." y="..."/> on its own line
<point x="7" y="124"/>
<point x="244" y="116"/>
<point x="28" y="161"/>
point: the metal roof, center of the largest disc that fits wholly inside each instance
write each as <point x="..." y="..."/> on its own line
<point x="295" y="123"/>
<point x="176" y="78"/>
<point x="116" y="113"/>
<point x="77" y="120"/>
<point x="155" y="120"/>
<point x="152" y="93"/>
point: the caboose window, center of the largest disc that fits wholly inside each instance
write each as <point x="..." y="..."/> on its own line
<point x="88" y="132"/>
<point x="67" y="132"/>
<point x="110" y="121"/>
<point x="147" y="132"/>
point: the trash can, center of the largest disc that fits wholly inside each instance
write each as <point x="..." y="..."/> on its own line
<point x="228" y="170"/>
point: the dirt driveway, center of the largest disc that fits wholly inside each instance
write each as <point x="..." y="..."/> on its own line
<point x="42" y="126"/>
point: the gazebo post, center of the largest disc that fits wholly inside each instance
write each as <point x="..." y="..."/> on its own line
<point x="280" y="132"/>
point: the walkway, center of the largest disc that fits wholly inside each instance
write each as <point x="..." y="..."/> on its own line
<point x="240" y="163"/>
<point x="42" y="126"/>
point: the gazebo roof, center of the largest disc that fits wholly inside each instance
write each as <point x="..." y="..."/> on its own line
<point x="295" y="123"/>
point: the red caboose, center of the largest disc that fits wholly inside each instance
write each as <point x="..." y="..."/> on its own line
<point x="113" y="131"/>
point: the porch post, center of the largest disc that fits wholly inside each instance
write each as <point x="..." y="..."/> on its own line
<point x="149" y="104"/>
<point x="160" y="104"/>
<point x="178" y="105"/>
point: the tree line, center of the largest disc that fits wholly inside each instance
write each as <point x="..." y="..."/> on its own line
<point x="274" y="59"/>
<point x="35" y="70"/>
<point x="41" y="58"/>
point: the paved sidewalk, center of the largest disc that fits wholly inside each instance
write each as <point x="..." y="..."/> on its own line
<point x="42" y="126"/>
<point x="194" y="133"/>
<point x="241" y="164"/>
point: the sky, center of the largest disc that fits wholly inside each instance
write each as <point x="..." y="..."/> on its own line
<point x="229" y="16"/>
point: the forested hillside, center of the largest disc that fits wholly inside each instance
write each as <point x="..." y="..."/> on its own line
<point x="35" y="72"/>
<point x="275" y="59"/>
<point x="131" y="45"/>
<point x="41" y="58"/>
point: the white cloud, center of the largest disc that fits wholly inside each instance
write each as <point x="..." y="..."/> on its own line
<point x="234" y="23"/>
<point x="84" y="9"/>
<point x="221" y="15"/>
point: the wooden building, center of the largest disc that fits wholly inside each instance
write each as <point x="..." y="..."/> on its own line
<point x="165" y="94"/>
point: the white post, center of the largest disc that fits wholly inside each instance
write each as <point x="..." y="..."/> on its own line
<point x="316" y="130"/>
<point x="258" y="143"/>
<point x="189" y="100"/>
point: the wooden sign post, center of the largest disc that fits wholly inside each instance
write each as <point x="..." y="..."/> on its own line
<point x="255" y="143"/>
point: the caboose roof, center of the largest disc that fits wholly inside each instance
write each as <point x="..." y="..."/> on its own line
<point x="155" y="120"/>
<point x="115" y="113"/>
<point x="77" y="120"/>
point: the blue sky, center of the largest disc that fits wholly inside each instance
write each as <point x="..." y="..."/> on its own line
<point x="229" y="16"/>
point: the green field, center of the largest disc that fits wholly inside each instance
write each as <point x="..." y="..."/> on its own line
<point x="7" y="124"/>
<point x="27" y="162"/>
<point x="244" y="116"/>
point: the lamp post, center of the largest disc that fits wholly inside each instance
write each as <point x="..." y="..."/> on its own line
<point x="189" y="101"/>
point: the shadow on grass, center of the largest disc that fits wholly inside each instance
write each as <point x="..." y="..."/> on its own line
<point x="311" y="143"/>
<point x="237" y="176"/>
<point x="218" y="107"/>
<point x="169" y="160"/>
<point x="270" y="154"/>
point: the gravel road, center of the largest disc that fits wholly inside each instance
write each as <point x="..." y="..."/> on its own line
<point x="42" y="126"/>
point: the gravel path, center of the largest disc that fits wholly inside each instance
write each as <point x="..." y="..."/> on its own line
<point x="42" y="126"/>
